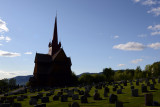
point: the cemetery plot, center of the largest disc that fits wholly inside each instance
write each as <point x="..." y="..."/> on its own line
<point x="118" y="94"/>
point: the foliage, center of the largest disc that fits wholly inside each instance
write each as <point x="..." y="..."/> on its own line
<point x="86" y="78"/>
<point x="109" y="73"/>
<point x="4" y="82"/>
<point x="12" y="82"/>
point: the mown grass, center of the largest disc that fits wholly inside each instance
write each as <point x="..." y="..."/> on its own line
<point x="125" y="97"/>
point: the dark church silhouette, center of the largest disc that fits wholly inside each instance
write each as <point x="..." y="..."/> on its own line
<point x="54" y="68"/>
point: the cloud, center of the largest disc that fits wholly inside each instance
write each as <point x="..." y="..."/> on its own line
<point x="116" y="36"/>
<point x="7" y="39"/>
<point x="136" y="1"/>
<point x="6" y="74"/>
<point x="136" y="61"/>
<point x="0" y="44"/>
<point x="28" y="53"/>
<point x="120" y="65"/>
<point x="2" y="37"/>
<point x="155" y="11"/>
<point x="9" y="54"/>
<point x="149" y="2"/>
<point x="154" y="45"/>
<point x="130" y="46"/>
<point x="142" y="35"/>
<point x="155" y="29"/>
<point x="3" y="27"/>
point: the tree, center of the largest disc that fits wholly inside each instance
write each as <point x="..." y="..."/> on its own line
<point x="12" y="82"/>
<point x="138" y="72"/>
<point x="98" y="78"/>
<point x="74" y="78"/>
<point x="109" y="73"/>
<point x="86" y="79"/>
<point x="4" y="82"/>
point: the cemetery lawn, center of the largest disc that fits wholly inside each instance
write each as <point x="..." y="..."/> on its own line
<point x="125" y="97"/>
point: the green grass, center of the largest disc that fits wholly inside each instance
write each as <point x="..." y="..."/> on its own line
<point x="126" y="98"/>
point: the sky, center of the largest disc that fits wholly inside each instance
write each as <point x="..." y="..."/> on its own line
<point x="95" y="34"/>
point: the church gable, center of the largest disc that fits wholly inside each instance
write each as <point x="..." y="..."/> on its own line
<point x="59" y="56"/>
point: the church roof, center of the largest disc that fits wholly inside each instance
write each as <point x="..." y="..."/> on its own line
<point x="57" y="53"/>
<point x="43" y="58"/>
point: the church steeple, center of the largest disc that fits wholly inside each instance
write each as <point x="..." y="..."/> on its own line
<point x="55" y="45"/>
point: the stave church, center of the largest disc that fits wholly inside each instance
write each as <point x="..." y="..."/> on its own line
<point x="52" y="69"/>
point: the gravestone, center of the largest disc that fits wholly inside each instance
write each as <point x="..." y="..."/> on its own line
<point x="121" y="87"/>
<point x="81" y="92"/>
<point x="135" y="92"/>
<point x="84" y="99"/>
<point x="125" y="83"/>
<point x="154" y="81"/>
<point x="132" y="87"/>
<point x="5" y="105"/>
<point x="106" y="91"/>
<point x="86" y="93"/>
<point x="137" y="83"/>
<point x="114" y="88"/>
<point x="96" y="96"/>
<point x="17" y="105"/>
<point x="119" y="91"/>
<point x="144" y="88"/>
<point x="152" y="87"/>
<point x="48" y="94"/>
<point x="148" y="99"/>
<point x="75" y="97"/>
<point x="55" y="98"/>
<point x="159" y="80"/>
<point x="155" y="103"/>
<point x="74" y="104"/>
<point x="32" y="101"/>
<point x="19" y="98"/>
<point x="59" y="94"/>
<point x="64" y="98"/>
<point x="148" y="83"/>
<point x="112" y="98"/>
<point x="45" y="99"/>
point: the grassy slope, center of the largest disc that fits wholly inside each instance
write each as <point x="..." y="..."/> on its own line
<point x="126" y="98"/>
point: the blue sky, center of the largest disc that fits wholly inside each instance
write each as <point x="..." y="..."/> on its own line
<point x="96" y="34"/>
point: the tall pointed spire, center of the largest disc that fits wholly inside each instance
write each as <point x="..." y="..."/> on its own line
<point x="55" y="34"/>
<point x="55" y="45"/>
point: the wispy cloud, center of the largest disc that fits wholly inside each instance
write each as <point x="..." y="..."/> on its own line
<point x="155" y="11"/>
<point x="155" y="29"/>
<point x="116" y="36"/>
<point x="120" y="65"/>
<point x="6" y="38"/>
<point x="136" y="1"/>
<point x="130" y="46"/>
<point x="142" y="35"/>
<point x="9" y="54"/>
<point x="136" y="61"/>
<point x="3" y="26"/>
<point x="28" y="53"/>
<point x="154" y="45"/>
<point x="149" y="2"/>
<point x="8" y="74"/>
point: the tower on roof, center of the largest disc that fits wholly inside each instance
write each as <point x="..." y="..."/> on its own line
<point x="55" y="45"/>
